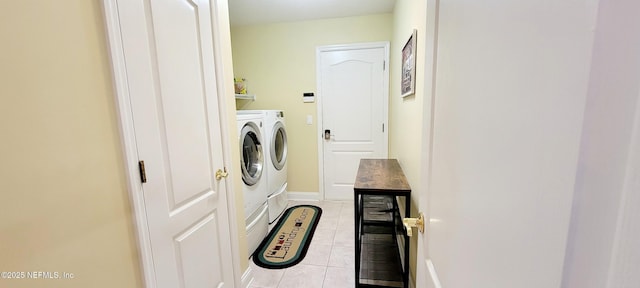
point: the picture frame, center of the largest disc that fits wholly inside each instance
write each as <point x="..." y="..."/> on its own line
<point x="408" y="77"/>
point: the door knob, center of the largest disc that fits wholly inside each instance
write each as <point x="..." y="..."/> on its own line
<point x="221" y="174"/>
<point x="409" y="223"/>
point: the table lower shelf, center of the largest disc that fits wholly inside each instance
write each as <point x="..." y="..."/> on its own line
<point x="379" y="261"/>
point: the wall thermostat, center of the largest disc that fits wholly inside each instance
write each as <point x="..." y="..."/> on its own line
<point x="308" y="97"/>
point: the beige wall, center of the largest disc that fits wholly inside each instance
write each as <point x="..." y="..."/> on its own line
<point x="405" y="114"/>
<point x="279" y="61"/>
<point x="64" y="204"/>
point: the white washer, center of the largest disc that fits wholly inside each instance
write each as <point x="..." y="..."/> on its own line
<point x="277" y="148"/>
<point x="252" y="161"/>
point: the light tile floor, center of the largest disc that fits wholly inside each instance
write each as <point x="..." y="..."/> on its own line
<point x="330" y="259"/>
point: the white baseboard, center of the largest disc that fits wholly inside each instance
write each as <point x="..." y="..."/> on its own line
<point x="247" y="277"/>
<point x="303" y="196"/>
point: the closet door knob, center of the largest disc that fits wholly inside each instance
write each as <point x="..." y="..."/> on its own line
<point x="221" y="174"/>
<point x="409" y="223"/>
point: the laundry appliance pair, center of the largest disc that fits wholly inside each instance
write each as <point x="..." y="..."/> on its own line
<point x="263" y="154"/>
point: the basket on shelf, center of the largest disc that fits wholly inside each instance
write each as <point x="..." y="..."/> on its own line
<point x="240" y="85"/>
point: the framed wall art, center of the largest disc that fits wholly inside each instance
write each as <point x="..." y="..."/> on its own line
<point x="408" y="80"/>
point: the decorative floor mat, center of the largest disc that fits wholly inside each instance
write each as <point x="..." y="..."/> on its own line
<point x="288" y="242"/>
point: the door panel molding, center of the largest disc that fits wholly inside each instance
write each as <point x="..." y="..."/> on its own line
<point x="623" y="264"/>
<point x="433" y="276"/>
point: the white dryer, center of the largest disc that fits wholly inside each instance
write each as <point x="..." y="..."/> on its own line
<point x="277" y="150"/>
<point x="252" y="161"/>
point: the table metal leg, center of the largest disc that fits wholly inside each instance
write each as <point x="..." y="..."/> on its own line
<point x="405" y="275"/>
<point x="357" y="215"/>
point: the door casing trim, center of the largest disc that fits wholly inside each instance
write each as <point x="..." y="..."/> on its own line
<point x="125" y="118"/>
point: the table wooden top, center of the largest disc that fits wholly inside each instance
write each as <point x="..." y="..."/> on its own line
<point x="383" y="176"/>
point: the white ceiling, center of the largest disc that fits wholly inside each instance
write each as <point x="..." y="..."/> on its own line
<point x="251" y="12"/>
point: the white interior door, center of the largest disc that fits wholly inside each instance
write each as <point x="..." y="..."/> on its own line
<point x="427" y="277"/>
<point x="353" y="84"/>
<point x="504" y="142"/>
<point x="169" y="56"/>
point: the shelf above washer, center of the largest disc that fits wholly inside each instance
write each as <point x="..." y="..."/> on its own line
<point x="251" y="97"/>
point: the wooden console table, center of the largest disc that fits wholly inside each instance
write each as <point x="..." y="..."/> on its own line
<point x="378" y="224"/>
